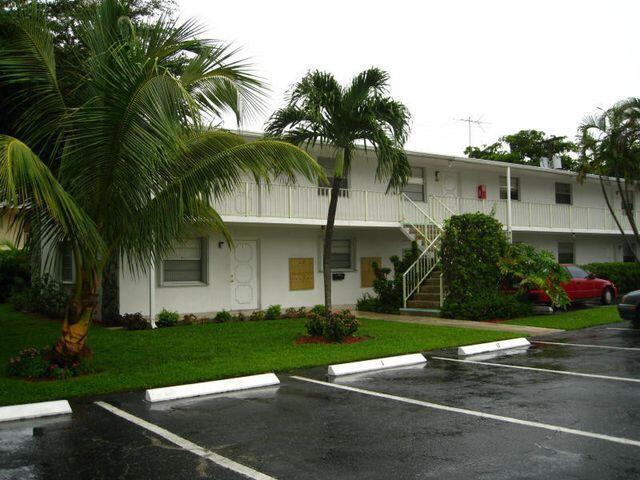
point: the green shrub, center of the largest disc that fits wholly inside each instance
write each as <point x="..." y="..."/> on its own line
<point x="30" y="363"/>
<point x="477" y="261"/>
<point x="292" y="312"/>
<point x="533" y="269"/>
<point x="240" y="317"/>
<point x="318" y="310"/>
<point x="315" y="325"/>
<point x="46" y="296"/>
<point x="273" y="312"/>
<point x="340" y="325"/>
<point x="335" y="327"/>
<point x="133" y="321"/>
<point x="42" y="363"/>
<point x="389" y="290"/>
<point x="15" y="272"/>
<point x="257" y="316"/>
<point x="486" y="306"/>
<point x="626" y="276"/>
<point x="368" y="303"/>
<point x="223" y="316"/>
<point x="167" y="318"/>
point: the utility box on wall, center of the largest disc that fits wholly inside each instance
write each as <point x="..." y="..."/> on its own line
<point x="301" y="274"/>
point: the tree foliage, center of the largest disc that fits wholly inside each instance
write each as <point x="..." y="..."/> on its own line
<point x="126" y="166"/>
<point x="320" y="111"/>
<point x="610" y="149"/>
<point x="534" y="269"/>
<point x="528" y="147"/>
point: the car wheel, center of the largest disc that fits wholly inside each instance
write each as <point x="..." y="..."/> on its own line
<point x="607" y="297"/>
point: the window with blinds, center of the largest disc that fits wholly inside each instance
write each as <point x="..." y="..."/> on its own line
<point x="187" y="263"/>
<point x="342" y="254"/>
<point x="515" y="188"/>
<point x="414" y="189"/>
<point x="563" y="193"/>
<point x="566" y="252"/>
<point x="66" y="264"/>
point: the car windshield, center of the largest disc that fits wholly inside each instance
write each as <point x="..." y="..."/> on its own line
<point x="576" y="272"/>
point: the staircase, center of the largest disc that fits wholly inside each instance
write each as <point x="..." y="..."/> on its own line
<point x="422" y="282"/>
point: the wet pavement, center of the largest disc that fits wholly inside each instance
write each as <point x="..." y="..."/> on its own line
<point x="445" y="419"/>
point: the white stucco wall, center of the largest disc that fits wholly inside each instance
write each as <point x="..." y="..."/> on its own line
<point x="276" y="244"/>
<point x="587" y="248"/>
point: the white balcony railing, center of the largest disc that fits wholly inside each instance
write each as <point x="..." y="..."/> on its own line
<point x="308" y="202"/>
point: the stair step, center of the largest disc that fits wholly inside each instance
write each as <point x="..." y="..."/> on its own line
<point x="433" y="304"/>
<point x="430" y="289"/>
<point x="423" y="312"/>
<point x="433" y="296"/>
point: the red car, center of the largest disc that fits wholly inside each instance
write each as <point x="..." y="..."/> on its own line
<point x="582" y="286"/>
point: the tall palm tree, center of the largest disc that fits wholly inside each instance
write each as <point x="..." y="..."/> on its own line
<point x="610" y="144"/>
<point x="321" y="111"/>
<point x="122" y="165"/>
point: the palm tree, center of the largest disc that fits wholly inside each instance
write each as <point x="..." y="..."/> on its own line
<point x="123" y="165"/>
<point x="321" y="111"/>
<point x="610" y="144"/>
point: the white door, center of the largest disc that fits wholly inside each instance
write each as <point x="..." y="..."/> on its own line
<point x="449" y="184"/>
<point x="244" y="275"/>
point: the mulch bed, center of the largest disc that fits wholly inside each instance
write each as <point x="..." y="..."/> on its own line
<point x="305" y="339"/>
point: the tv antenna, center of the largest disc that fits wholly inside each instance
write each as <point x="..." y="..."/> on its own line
<point x="470" y="121"/>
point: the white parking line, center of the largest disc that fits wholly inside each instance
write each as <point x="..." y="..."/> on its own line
<point x="587" y="346"/>
<point x="474" y="413"/>
<point x="535" y="369"/>
<point x="187" y="445"/>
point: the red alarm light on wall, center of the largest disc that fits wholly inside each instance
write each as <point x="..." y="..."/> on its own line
<point x="482" y="192"/>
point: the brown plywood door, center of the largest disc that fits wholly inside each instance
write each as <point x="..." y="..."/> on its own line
<point x="301" y="274"/>
<point x="366" y="270"/>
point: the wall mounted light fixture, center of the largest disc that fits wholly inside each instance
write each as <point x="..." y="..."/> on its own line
<point x="437" y="176"/>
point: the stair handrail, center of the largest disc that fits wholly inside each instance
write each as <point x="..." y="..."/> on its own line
<point x="432" y="247"/>
<point x="415" y="205"/>
<point x="442" y="203"/>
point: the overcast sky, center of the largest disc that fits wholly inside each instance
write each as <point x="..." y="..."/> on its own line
<point x="515" y="64"/>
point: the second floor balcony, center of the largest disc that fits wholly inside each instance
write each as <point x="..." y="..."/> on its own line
<point x="281" y="204"/>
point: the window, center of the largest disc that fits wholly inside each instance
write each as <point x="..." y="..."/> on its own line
<point x="329" y="165"/>
<point x="565" y="252"/>
<point x="414" y="189"/>
<point x="576" y="272"/>
<point x="67" y="270"/>
<point x="627" y="253"/>
<point x="515" y="188"/>
<point x="563" y="193"/>
<point x="342" y="254"/>
<point x="187" y="263"/>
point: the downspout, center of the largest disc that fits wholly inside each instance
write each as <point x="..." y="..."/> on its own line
<point x="152" y="295"/>
<point x="509" y="232"/>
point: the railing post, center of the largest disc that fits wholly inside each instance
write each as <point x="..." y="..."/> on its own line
<point x="441" y="291"/>
<point x="571" y="217"/>
<point x="366" y="205"/>
<point x="246" y="199"/>
<point x="400" y="208"/>
<point x="404" y="290"/>
<point x="290" y="201"/>
<point x="530" y="217"/>
<point x="588" y="217"/>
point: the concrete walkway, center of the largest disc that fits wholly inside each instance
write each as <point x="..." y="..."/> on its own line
<point x="446" y="322"/>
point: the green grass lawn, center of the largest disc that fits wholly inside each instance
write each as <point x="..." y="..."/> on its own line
<point x="130" y="360"/>
<point x="581" y="318"/>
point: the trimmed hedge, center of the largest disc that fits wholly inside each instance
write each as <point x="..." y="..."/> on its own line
<point x="626" y="276"/>
<point x="15" y="272"/>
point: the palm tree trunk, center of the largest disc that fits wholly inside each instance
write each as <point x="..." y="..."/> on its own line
<point x="328" y="240"/>
<point x="75" y="328"/>
<point x="615" y="218"/>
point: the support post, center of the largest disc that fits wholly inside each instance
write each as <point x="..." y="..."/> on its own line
<point x="366" y="205"/>
<point x="509" y="232"/>
<point x="152" y="295"/>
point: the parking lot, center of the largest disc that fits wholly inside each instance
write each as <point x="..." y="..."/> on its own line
<point x="513" y="415"/>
